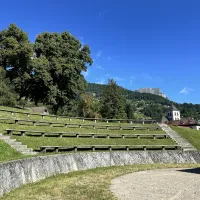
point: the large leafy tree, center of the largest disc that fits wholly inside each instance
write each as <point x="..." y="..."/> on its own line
<point x="65" y="60"/>
<point x="49" y="71"/>
<point x="15" y="56"/>
<point x="112" y="102"/>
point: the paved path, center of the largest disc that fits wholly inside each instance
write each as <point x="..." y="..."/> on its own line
<point x="186" y="146"/>
<point x="166" y="184"/>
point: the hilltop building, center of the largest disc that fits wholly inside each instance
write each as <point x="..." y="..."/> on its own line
<point x="173" y="113"/>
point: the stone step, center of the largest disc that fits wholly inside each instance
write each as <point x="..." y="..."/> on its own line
<point x="10" y="140"/>
<point x="19" y="146"/>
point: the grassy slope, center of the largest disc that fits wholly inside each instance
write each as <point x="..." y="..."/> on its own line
<point x="7" y="153"/>
<point x="192" y="136"/>
<point x="34" y="142"/>
<point x="53" y="119"/>
<point x="83" y="185"/>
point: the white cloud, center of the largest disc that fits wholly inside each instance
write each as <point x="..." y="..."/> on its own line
<point x="99" y="53"/>
<point x="98" y="66"/>
<point x="186" y="90"/>
<point x="116" y="78"/>
<point x="147" y="77"/>
<point x="101" y="81"/>
<point x="85" y="74"/>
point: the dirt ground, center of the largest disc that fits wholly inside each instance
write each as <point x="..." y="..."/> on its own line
<point x="165" y="184"/>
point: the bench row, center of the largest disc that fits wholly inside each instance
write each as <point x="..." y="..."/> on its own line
<point x="94" y="126"/>
<point x="84" y="135"/>
<point x="143" y="121"/>
<point x="57" y="149"/>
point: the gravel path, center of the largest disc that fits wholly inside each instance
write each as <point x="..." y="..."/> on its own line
<point x="164" y="184"/>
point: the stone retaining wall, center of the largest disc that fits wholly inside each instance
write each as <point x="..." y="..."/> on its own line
<point x="16" y="173"/>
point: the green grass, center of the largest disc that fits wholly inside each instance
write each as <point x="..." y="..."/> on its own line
<point x="192" y="136"/>
<point x="34" y="142"/>
<point x="75" y="130"/>
<point x="7" y="153"/>
<point x="53" y="119"/>
<point x="83" y="185"/>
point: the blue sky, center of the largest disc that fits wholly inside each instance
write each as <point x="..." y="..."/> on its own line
<point x="138" y="43"/>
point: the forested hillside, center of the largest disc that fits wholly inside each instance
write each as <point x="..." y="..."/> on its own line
<point x="149" y="104"/>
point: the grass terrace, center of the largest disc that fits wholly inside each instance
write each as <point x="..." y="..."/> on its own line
<point x="191" y="135"/>
<point x="4" y="114"/>
<point x="36" y="142"/>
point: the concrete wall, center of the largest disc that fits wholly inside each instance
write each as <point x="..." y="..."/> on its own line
<point x="196" y="127"/>
<point x="16" y="173"/>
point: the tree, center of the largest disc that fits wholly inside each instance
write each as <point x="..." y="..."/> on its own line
<point x="7" y="96"/>
<point x="50" y="71"/>
<point x="15" y="56"/>
<point x="112" y="102"/>
<point x="130" y="111"/>
<point x="65" y="60"/>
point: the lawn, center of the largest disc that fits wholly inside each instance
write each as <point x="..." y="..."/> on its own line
<point x="83" y="185"/>
<point x="34" y="142"/>
<point x="53" y="119"/>
<point x="192" y="136"/>
<point x="47" y="128"/>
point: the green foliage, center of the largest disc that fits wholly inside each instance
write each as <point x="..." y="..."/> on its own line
<point x="15" y="55"/>
<point x="88" y="106"/>
<point x="65" y="59"/>
<point x="48" y="71"/>
<point x="130" y="111"/>
<point x="112" y="102"/>
<point x="7" y="96"/>
<point x="154" y="111"/>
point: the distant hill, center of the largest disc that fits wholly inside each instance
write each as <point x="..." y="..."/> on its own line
<point x="129" y="94"/>
<point x="150" y="105"/>
<point x="155" y="91"/>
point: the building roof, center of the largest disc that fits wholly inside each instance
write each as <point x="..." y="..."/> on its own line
<point x="173" y="108"/>
<point x="164" y="119"/>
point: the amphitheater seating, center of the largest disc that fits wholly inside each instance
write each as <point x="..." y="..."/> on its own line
<point x="55" y="134"/>
<point x="88" y="135"/>
<point x="57" y="149"/>
<point x="94" y="126"/>
<point x="28" y="114"/>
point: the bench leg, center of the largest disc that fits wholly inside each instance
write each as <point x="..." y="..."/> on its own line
<point x="110" y="148"/>
<point x="108" y="136"/>
<point x="127" y="148"/>
<point x="93" y="148"/>
<point x="75" y="148"/>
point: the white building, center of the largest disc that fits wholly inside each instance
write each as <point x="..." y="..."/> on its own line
<point x="173" y="114"/>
